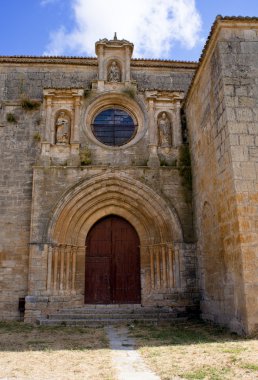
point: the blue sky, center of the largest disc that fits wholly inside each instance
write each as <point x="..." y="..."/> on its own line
<point x="168" y="29"/>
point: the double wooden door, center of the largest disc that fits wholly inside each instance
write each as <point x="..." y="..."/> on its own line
<point x="112" y="272"/>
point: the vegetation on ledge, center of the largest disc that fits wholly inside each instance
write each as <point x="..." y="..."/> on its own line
<point x="85" y="156"/>
<point x="29" y="105"/>
<point x="184" y="166"/>
<point x="10" y="118"/>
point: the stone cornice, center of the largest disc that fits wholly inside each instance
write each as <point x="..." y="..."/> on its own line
<point x="159" y="63"/>
<point x="114" y="44"/>
<point x="63" y="92"/>
<point x="162" y="95"/>
<point x="92" y="61"/>
<point x="17" y="59"/>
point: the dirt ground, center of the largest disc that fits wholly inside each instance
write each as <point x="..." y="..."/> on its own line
<point x="197" y="351"/>
<point x="60" y="353"/>
<point x="185" y="351"/>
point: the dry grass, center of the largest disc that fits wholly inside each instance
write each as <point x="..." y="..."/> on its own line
<point x="60" y="353"/>
<point x="189" y="351"/>
<point x="197" y="351"/>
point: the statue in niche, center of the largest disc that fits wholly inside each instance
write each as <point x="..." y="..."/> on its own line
<point x="62" y="128"/>
<point x="164" y="131"/>
<point x="114" y="72"/>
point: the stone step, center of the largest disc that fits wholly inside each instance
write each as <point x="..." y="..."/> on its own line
<point x="115" y="311"/>
<point x="109" y="306"/>
<point x="104" y="321"/>
<point x="90" y="322"/>
<point x="110" y="314"/>
<point x="65" y="316"/>
<point x="118" y="307"/>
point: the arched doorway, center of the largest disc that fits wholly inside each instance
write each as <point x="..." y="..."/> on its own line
<point x="112" y="273"/>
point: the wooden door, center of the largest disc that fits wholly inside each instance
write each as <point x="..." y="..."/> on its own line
<point x="112" y="272"/>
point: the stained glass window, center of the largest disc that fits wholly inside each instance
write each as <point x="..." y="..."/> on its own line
<point x="113" y="127"/>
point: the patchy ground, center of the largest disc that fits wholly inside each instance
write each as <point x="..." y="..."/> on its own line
<point x="185" y="351"/>
<point x="60" y="353"/>
<point x="197" y="351"/>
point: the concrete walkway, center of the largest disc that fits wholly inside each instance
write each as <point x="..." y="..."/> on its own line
<point x="127" y="361"/>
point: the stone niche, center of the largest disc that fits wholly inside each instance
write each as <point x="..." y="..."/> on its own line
<point x="114" y="64"/>
<point x="164" y="126"/>
<point x="61" y="140"/>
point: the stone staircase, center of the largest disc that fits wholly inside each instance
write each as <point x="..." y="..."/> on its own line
<point x="99" y="315"/>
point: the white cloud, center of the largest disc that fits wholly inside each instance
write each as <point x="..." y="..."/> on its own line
<point x="154" y="26"/>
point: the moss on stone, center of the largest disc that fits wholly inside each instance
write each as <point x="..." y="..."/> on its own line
<point x="184" y="166"/>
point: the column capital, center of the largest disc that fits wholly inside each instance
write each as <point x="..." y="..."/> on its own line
<point x="77" y="101"/>
<point x="151" y="102"/>
<point x="49" y="101"/>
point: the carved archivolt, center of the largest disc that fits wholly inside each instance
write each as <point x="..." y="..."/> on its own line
<point x="116" y="194"/>
<point x="156" y="223"/>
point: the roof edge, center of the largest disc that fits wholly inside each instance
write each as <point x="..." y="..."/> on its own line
<point x="219" y="20"/>
<point x="90" y="61"/>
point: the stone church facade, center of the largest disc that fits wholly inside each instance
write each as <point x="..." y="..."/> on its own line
<point x="96" y="197"/>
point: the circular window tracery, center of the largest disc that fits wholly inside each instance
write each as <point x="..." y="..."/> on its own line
<point x="114" y="127"/>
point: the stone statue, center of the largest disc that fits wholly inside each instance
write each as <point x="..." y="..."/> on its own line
<point x="114" y="73"/>
<point x="62" y="128"/>
<point x="164" y="131"/>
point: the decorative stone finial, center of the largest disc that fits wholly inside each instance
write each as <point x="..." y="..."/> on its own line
<point x="113" y="42"/>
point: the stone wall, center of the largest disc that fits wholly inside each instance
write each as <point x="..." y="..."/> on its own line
<point x="30" y="79"/>
<point x="222" y="118"/>
<point x="17" y="156"/>
<point x="38" y="177"/>
<point x="239" y="56"/>
<point x="34" y="74"/>
<point x="170" y="79"/>
<point x="21" y="140"/>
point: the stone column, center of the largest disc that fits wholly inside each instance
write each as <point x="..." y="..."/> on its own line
<point x="45" y="145"/>
<point x="153" y="145"/>
<point x="170" y="253"/>
<point x="75" y="130"/>
<point x="127" y="76"/>
<point x="48" y="134"/>
<point x="67" y="269"/>
<point x="74" y="257"/>
<point x="177" y="130"/>
<point x="74" y="159"/>
<point x="101" y="63"/>
<point x="49" y="270"/>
